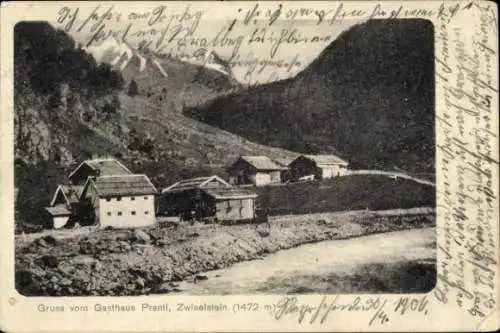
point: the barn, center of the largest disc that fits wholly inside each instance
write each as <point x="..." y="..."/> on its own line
<point x="95" y="168"/>
<point x="318" y="166"/>
<point x="230" y="204"/>
<point x="255" y="170"/>
<point x="121" y="201"/>
<point x="209" y="198"/>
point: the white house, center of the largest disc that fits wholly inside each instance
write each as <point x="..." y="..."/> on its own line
<point x="121" y="201"/>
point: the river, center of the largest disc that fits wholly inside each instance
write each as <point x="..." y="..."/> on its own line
<point x="401" y="261"/>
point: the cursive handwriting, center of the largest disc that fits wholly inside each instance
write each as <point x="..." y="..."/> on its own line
<point x="181" y="31"/>
<point x="467" y="248"/>
<point x="318" y="313"/>
<point x="377" y="309"/>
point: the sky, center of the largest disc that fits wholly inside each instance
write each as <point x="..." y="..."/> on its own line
<point x="286" y="45"/>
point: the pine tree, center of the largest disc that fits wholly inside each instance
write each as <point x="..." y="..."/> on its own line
<point x="132" y="88"/>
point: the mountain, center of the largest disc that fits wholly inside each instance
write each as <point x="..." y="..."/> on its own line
<point x="158" y="73"/>
<point x="120" y="54"/>
<point x="369" y="97"/>
<point x="60" y="94"/>
<point x="68" y="107"/>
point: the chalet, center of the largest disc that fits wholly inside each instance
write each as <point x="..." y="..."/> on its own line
<point x="121" y="201"/>
<point x="65" y="205"/>
<point x="95" y="168"/>
<point x="317" y="166"/>
<point x="255" y="170"/>
<point x="209" y="198"/>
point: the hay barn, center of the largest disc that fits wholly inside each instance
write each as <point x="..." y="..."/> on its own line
<point x="318" y="166"/>
<point x="255" y="170"/>
<point x="208" y="198"/>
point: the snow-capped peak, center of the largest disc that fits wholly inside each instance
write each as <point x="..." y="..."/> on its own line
<point x="119" y="53"/>
<point x="212" y="60"/>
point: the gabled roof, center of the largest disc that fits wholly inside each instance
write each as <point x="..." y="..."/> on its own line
<point x="229" y="193"/>
<point x="194" y="183"/>
<point x="262" y="163"/>
<point x="106" y="166"/>
<point x="326" y="159"/>
<point x="122" y="185"/>
<point x="71" y="193"/>
<point x="59" y="210"/>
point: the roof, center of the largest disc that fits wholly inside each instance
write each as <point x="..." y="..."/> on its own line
<point x="71" y="193"/>
<point x="59" y="210"/>
<point x="262" y="163"/>
<point x="123" y="185"/>
<point x="106" y="166"/>
<point x="326" y="159"/>
<point x="229" y="193"/>
<point x="193" y="183"/>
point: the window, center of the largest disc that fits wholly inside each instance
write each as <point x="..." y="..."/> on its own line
<point x="109" y="213"/>
<point x="133" y="212"/>
<point x="108" y="199"/>
<point x="119" y="213"/>
<point x="119" y="199"/>
<point x="146" y="212"/>
<point x="132" y="198"/>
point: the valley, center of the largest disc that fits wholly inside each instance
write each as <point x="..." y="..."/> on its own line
<point x="173" y="119"/>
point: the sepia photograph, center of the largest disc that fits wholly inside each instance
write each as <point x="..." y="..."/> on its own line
<point x="140" y="172"/>
<point x="242" y="166"/>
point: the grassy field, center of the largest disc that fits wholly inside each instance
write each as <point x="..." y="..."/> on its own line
<point x="354" y="192"/>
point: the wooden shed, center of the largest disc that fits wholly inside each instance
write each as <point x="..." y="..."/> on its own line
<point x="255" y="170"/>
<point x="318" y="167"/>
<point x="65" y="206"/>
<point x="206" y="198"/>
<point x="229" y="204"/>
<point x="60" y="215"/>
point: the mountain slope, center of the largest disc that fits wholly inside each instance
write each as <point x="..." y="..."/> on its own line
<point x="188" y="81"/>
<point x="60" y="92"/>
<point x="68" y="106"/>
<point x="369" y="96"/>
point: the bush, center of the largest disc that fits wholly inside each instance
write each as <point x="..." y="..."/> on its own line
<point x="49" y="261"/>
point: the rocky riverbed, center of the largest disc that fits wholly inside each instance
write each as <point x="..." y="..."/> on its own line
<point x="155" y="260"/>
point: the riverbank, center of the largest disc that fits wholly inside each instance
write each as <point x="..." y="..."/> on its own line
<point x="404" y="262"/>
<point x="154" y="260"/>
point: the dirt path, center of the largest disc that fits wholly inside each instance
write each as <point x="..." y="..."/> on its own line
<point x="275" y="273"/>
<point x="394" y="175"/>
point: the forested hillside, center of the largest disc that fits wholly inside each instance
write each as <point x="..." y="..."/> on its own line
<point x="369" y="96"/>
<point x="69" y="107"/>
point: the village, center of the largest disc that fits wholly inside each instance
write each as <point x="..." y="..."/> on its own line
<point x="128" y="182"/>
<point x="103" y="192"/>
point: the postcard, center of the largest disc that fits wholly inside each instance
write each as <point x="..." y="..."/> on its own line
<point x="234" y="166"/>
